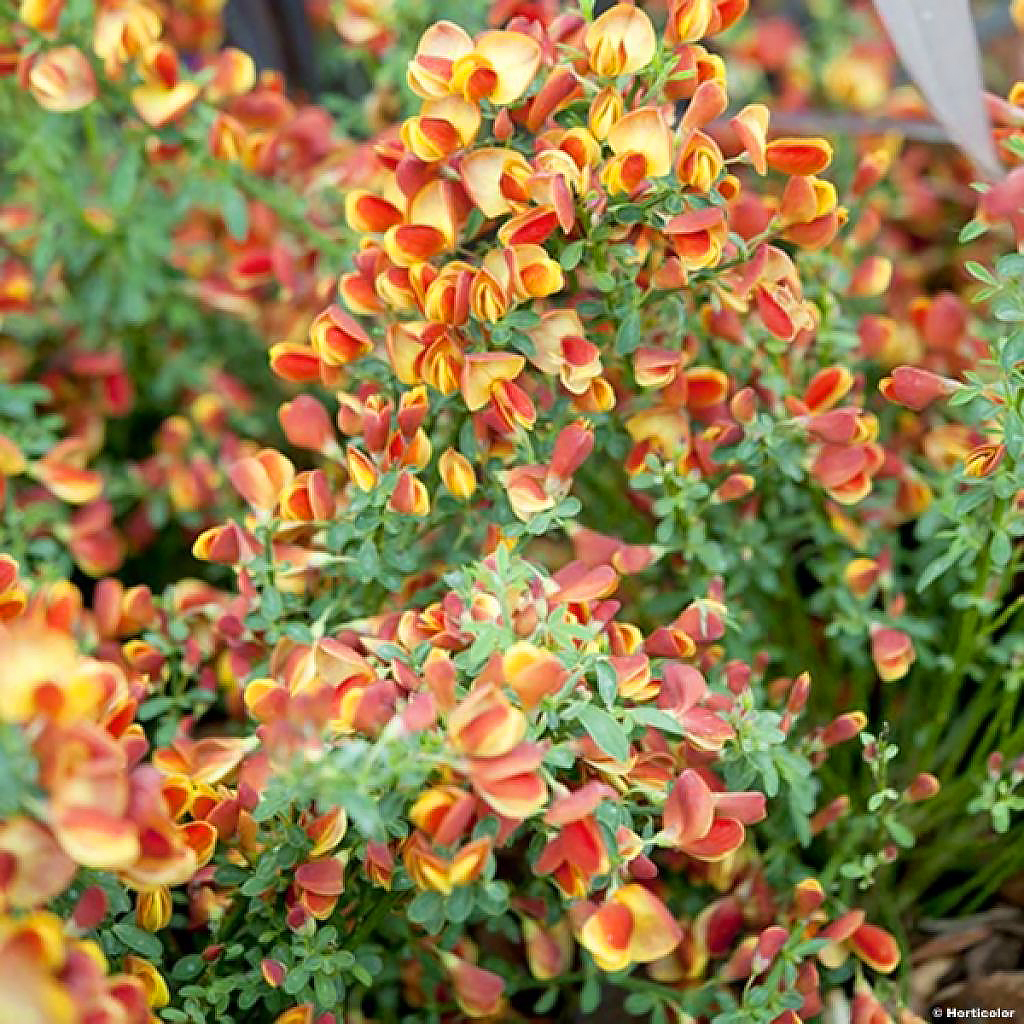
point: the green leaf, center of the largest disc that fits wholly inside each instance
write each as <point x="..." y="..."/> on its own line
<point x="590" y="996"/>
<point x="188" y="967"/>
<point x="900" y="833"/>
<point x="638" y="1003"/>
<point x="139" y="940"/>
<point x="973" y="229"/>
<point x="546" y="1001"/>
<point x="1002" y="549"/>
<point x="937" y="568"/>
<point x="607" y="683"/>
<point x="657" y="719"/>
<point x="605" y="731"/>
<point x="325" y="991"/>
<point x="628" y="338"/>
<point x="571" y="255"/>
<point x="460" y="904"/>
<point x="980" y="273"/>
<point x="425" y="907"/>
<point x="154" y="708"/>
<point x="235" y="211"/>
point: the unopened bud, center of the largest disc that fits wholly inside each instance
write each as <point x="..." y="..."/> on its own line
<point x="923" y="787"/>
<point x="830" y="814"/>
<point x="843" y="728"/>
<point x="808" y="896"/>
<point x="769" y="942"/>
<point x="798" y="694"/>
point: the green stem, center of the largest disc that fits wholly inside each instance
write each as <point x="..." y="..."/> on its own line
<point x="970" y="631"/>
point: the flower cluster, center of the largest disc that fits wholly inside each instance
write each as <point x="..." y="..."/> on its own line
<point x="418" y="548"/>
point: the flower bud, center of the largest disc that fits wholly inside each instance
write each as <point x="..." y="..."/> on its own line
<point x="572" y="446"/>
<point x="915" y="388"/>
<point x="923" y="787"/>
<point x="743" y="405"/>
<point x="808" y="896"/>
<point x="843" y="728"/>
<point x="769" y="943"/>
<point x="273" y="972"/>
<point x="153" y="909"/>
<point x="829" y="814"/>
<point x="457" y="474"/>
<point x="798" y="694"/>
<point x="410" y="497"/>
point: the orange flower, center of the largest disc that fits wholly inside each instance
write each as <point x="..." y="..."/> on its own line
<point x="319" y="884"/>
<point x="482" y="371"/>
<point x="122" y="32"/>
<point x="983" y="459"/>
<point x="892" y="652"/>
<point x="227" y="544"/>
<point x="337" y="339"/>
<point x="485" y="724"/>
<point x="577" y="854"/>
<point x="526" y="487"/>
<point x="294" y="362"/>
<point x="698" y="237"/>
<point x="12" y="597"/>
<point x="689" y="20"/>
<point x="548" y="948"/>
<point x="41" y="15"/>
<point x="632" y="926"/>
<point x="861" y="574"/>
<point x="874" y="945"/>
<point x="370" y="214"/>
<point x="153" y="909"/>
<point x="302" y="1014"/>
<point x="479" y="993"/>
<point x="500" y="68"/>
<point x="620" y="42"/>
<point x="157" y="994"/>
<point x="532" y="673"/>
<point x="699" y="163"/>
<point x="433" y="873"/>
<point x="606" y="108"/>
<point x="510" y="784"/>
<point x="261" y="479"/>
<point x="799" y="156"/>
<point x="442" y="127"/>
<point x="751" y="127"/>
<point x="642" y="144"/>
<point x="457" y="474"/>
<point x="430" y="71"/>
<point x="527" y="272"/>
<point x="706" y="825"/>
<point x="496" y="180"/>
<point x="846" y="471"/>
<point x="38" y="870"/>
<point x="163" y="97"/>
<point x="62" y="80"/>
<point x="916" y="388"/>
<point x="561" y="348"/>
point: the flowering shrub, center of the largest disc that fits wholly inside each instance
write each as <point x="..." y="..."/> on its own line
<point x="447" y="575"/>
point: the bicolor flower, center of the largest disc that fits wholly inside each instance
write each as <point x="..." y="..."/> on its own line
<point x="620" y="42"/>
<point x="631" y="926"/>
